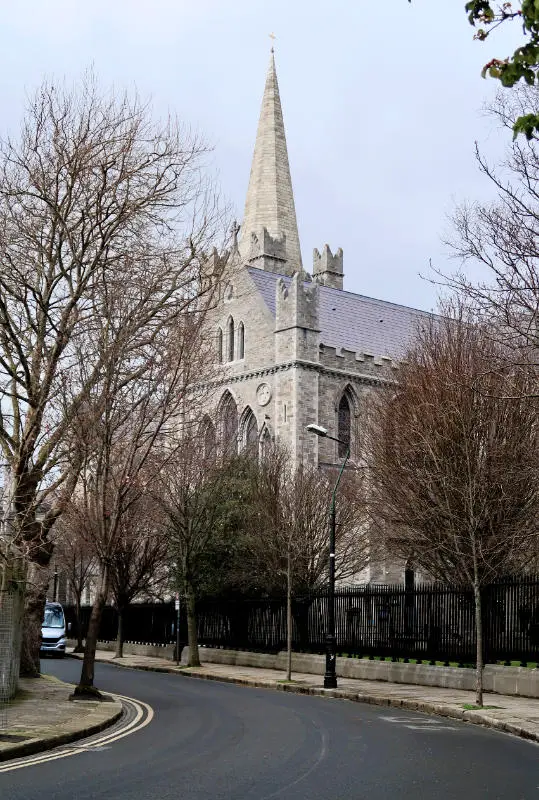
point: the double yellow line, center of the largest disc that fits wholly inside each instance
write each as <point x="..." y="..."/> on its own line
<point x="143" y="716"/>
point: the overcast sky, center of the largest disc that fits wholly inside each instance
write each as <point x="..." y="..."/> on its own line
<point x="382" y="104"/>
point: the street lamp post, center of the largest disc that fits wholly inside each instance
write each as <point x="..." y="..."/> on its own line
<point x="330" y="677"/>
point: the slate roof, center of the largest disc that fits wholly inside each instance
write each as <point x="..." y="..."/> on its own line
<point x="353" y="321"/>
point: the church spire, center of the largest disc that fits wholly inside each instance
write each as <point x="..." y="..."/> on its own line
<point x="270" y="231"/>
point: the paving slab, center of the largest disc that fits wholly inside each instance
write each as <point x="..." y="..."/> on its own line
<point x="515" y="715"/>
<point x="43" y="717"/>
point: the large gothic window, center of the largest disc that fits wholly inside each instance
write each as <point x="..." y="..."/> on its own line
<point x="230" y="339"/>
<point x="229" y="425"/>
<point x="344" y="426"/>
<point x="241" y="340"/>
<point x="250" y="432"/>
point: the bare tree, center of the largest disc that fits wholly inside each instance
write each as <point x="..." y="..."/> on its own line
<point x="138" y="563"/>
<point x="289" y="538"/>
<point x="455" y="461"/>
<point x="131" y="424"/>
<point x="98" y="204"/>
<point x="74" y="557"/>
<point x="499" y="240"/>
<point x="196" y="492"/>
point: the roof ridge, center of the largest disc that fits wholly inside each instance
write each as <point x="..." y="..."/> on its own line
<point x="276" y="275"/>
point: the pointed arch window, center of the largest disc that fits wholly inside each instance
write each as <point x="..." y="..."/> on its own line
<point x="230" y="339"/>
<point x="219" y="345"/>
<point x="241" y="340"/>
<point x="265" y="443"/>
<point x="209" y="439"/>
<point x="250" y="432"/>
<point x="229" y="425"/>
<point x="344" y="420"/>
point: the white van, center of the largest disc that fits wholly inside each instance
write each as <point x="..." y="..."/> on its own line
<point x="53" y="631"/>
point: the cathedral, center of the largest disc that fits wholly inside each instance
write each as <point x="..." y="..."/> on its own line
<point x="294" y="347"/>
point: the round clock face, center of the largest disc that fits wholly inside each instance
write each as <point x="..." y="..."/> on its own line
<point x="263" y="394"/>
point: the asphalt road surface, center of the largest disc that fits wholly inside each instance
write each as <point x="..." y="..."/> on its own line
<point x="212" y="741"/>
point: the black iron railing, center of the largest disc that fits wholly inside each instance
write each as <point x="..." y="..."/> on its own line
<point x="428" y="623"/>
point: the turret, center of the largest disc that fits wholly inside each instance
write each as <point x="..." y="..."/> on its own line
<point x="297" y="325"/>
<point x="213" y="266"/>
<point x="328" y="268"/>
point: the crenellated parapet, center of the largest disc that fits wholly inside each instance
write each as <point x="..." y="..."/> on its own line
<point x="351" y="361"/>
<point x="269" y="253"/>
<point x="328" y="268"/>
<point x="213" y="267"/>
<point x="264" y="244"/>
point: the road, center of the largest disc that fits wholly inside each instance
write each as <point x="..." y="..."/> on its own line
<point x="212" y="741"/>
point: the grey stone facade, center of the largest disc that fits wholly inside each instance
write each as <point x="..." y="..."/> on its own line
<point x="295" y="348"/>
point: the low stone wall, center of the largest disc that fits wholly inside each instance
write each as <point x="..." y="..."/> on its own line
<point x="131" y="649"/>
<point x="516" y="681"/>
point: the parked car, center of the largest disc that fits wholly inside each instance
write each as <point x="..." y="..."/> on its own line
<point x="53" y="631"/>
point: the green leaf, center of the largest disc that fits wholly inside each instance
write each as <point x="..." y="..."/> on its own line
<point x="476" y="8"/>
<point x="528" y="125"/>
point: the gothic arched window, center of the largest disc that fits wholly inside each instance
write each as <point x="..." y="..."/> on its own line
<point x="250" y="431"/>
<point x="265" y="443"/>
<point x="241" y="340"/>
<point x="209" y="440"/>
<point x="230" y="339"/>
<point x="344" y="420"/>
<point x="229" y="425"/>
<point x="220" y="346"/>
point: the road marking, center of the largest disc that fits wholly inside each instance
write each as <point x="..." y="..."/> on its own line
<point x="93" y="748"/>
<point x="406" y="720"/>
<point x="424" y="723"/>
<point x="320" y="757"/>
<point x="140" y="721"/>
<point x="429" y="728"/>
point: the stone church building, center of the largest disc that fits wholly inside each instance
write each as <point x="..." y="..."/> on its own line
<point x="294" y="347"/>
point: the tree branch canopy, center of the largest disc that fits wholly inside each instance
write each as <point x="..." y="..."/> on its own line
<point x="105" y="215"/>
<point x="523" y="65"/>
<point x="455" y="457"/>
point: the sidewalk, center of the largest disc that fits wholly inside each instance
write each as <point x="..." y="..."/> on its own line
<point x="515" y="715"/>
<point x="42" y="717"/>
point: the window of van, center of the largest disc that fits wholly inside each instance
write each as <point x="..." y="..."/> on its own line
<point x="54" y="618"/>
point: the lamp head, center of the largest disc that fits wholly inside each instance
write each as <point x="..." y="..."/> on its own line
<point x="317" y="429"/>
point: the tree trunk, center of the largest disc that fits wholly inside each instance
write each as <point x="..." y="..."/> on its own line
<point x="192" y="637"/>
<point x="86" y="683"/>
<point x="479" y="648"/>
<point x="289" y="617"/>
<point x="34" y="608"/>
<point x="79" y="647"/>
<point x="120" y="635"/>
